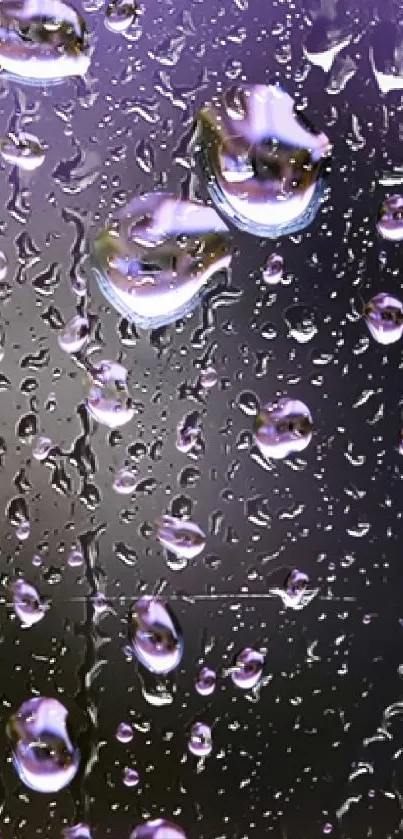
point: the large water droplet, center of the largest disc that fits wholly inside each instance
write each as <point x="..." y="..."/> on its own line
<point x="200" y="741"/>
<point x="386" y="55"/>
<point x="158" y="829"/>
<point x="42" y="43"/>
<point x="155" y="635"/>
<point x="206" y="682"/>
<point x="283" y="428"/>
<point x="183" y="538"/>
<point x="326" y="39"/>
<point x="155" y="268"/>
<point x="119" y="15"/>
<point x="43" y="754"/>
<point x="108" y="399"/>
<point x="384" y="318"/>
<point x="73" y="337"/>
<point x="248" y="669"/>
<point x="27" y="603"/>
<point x="262" y="159"/>
<point x="390" y="218"/>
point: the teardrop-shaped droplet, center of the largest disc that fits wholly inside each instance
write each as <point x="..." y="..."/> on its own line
<point x="43" y="754"/>
<point x="155" y="636"/>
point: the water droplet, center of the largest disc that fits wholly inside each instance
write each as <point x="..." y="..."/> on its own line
<point x="302" y="322"/>
<point x="272" y="272"/>
<point x="75" y="558"/>
<point x="327" y="828"/>
<point x="200" y="741"/>
<point x="77" y="831"/>
<point x="73" y="337"/>
<point x="42" y="44"/>
<point x="248" y="668"/>
<point x="119" y="15"/>
<point x="283" y="428"/>
<point x="326" y="39"/>
<point x="131" y="777"/>
<point x="187" y="435"/>
<point x="108" y="400"/>
<point x="183" y="538"/>
<point x="22" y="150"/>
<point x="386" y="55"/>
<point x="384" y="318"/>
<point x="27" y="603"/>
<point x="124" y="482"/>
<point x="205" y="682"/>
<point x="158" y="829"/>
<point x="390" y="219"/>
<point x="124" y="733"/>
<point x="155" y="635"/>
<point x="3" y="266"/>
<point x="43" y="754"/>
<point x="158" y="264"/>
<point x="23" y="530"/>
<point x="208" y="378"/>
<point x="295" y="593"/>
<point x="262" y="159"/>
<point x="42" y="448"/>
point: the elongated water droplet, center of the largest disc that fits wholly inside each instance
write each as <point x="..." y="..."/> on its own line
<point x="108" y="399"/>
<point x="390" y="219"/>
<point x="183" y="538"/>
<point x="27" y="603"/>
<point x="272" y="271"/>
<point x="155" y="636"/>
<point x="200" y="741"/>
<point x="206" y="682"/>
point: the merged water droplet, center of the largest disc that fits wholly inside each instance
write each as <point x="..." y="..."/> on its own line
<point x="283" y="428"/>
<point x="73" y="337"/>
<point x="119" y="15"/>
<point x="183" y="538"/>
<point x="108" y="399"/>
<point x="390" y="218"/>
<point x="27" y="603"/>
<point x="158" y="829"/>
<point x="124" y="482"/>
<point x="155" y="635"/>
<point x="248" y="668"/>
<point x="22" y="150"/>
<point x="200" y="741"/>
<point x="157" y="265"/>
<point x="302" y="322"/>
<point x="42" y="448"/>
<point x="206" y="682"/>
<point x="263" y="160"/>
<point x="272" y="272"/>
<point x="42" y="43"/>
<point x="124" y="733"/>
<point x="384" y="318"/>
<point x="326" y="39"/>
<point x="386" y="55"/>
<point x="43" y="754"/>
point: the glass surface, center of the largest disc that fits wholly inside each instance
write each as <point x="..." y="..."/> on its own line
<point x="288" y="586"/>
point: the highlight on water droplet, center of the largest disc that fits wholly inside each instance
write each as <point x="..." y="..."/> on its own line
<point x="205" y="683"/>
<point x="42" y="43"/>
<point x="248" y="668"/>
<point x="156" y="266"/>
<point x="200" y="742"/>
<point x="108" y="399"/>
<point x="27" y="603"/>
<point x="263" y="160"/>
<point x="182" y="538"/>
<point x="73" y="337"/>
<point x="383" y="316"/>
<point x="22" y="150"/>
<point x="283" y="428"/>
<point x="43" y="754"/>
<point x="155" y="636"/>
<point x="158" y="829"/>
<point x="120" y="14"/>
<point x="390" y="219"/>
<point x="272" y="272"/>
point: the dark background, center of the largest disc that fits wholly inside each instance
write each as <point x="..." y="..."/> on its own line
<point x="281" y="765"/>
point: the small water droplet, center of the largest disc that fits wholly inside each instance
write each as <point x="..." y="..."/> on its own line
<point x="206" y="682"/>
<point x="124" y="733"/>
<point x="200" y="741"/>
<point x="131" y="777"/>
